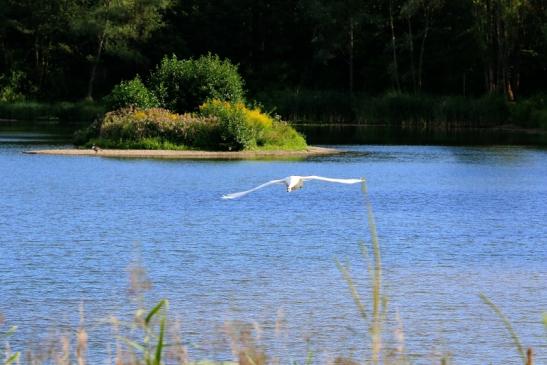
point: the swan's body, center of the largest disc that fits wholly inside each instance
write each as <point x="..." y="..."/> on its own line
<point x="293" y="183"/>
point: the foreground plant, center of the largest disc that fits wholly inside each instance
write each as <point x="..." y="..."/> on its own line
<point x="375" y="314"/>
<point x="10" y="357"/>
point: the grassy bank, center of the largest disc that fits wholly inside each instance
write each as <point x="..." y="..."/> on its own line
<point x="60" y="111"/>
<point x="334" y="107"/>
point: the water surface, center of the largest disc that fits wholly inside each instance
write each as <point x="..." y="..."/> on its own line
<point x="453" y="222"/>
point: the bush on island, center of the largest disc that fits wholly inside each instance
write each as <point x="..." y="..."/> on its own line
<point x="131" y="93"/>
<point x="183" y="85"/>
<point x="218" y="126"/>
<point x="153" y="128"/>
<point x="244" y="128"/>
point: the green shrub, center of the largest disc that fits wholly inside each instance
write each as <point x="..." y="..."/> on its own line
<point x="235" y="133"/>
<point x="220" y="125"/>
<point x="131" y="93"/>
<point x="150" y="129"/>
<point x="10" y="87"/>
<point x="245" y="128"/>
<point x="183" y="85"/>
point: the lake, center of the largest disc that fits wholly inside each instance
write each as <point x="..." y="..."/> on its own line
<point x="453" y="222"/>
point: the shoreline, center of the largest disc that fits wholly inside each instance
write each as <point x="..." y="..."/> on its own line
<point x="191" y="154"/>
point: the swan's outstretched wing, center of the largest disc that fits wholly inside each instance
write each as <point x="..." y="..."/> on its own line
<point x="341" y="181"/>
<point x="240" y="194"/>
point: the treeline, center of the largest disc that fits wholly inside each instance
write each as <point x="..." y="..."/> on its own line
<point x="53" y="50"/>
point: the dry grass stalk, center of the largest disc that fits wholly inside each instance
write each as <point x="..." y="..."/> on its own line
<point x="81" y="339"/>
<point x="243" y="344"/>
<point x="344" y="361"/>
<point x="62" y="357"/>
<point x="529" y="356"/>
<point x="508" y="326"/>
<point x="177" y="351"/>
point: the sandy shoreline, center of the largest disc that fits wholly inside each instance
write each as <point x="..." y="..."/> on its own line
<point x="224" y="155"/>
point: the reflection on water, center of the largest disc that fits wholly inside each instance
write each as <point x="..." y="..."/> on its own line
<point x="453" y="222"/>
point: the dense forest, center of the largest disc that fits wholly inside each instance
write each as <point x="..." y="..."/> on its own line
<point x="78" y="49"/>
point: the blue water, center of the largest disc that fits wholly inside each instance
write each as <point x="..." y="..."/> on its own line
<point x="453" y="222"/>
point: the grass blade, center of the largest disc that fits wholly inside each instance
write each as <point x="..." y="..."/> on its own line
<point x="13" y="358"/>
<point x="159" y="347"/>
<point x="353" y="289"/>
<point x="154" y="311"/>
<point x="507" y="324"/>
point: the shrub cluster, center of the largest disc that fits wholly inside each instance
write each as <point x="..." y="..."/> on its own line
<point x="244" y="128"/>
<point x="153" y="128"/>
<point x="131" y="93"/>
<point x="208" y="92"/>
<point x="181" y="85"/>
<point x="218" y="125"/>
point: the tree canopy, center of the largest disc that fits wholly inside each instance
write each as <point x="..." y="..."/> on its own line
<point x="73" y="49"/>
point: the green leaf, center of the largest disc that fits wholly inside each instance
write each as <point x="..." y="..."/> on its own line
<point x="12" y="359"/>
<point x="155" y="310"/>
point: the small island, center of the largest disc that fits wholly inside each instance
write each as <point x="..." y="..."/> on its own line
<point x="194" y="154"/>
<point x="193" y="108"/>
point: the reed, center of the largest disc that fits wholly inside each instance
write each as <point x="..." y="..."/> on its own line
<point x="375" y="314"/>
<point x="508" y="326"/>
<point x="409" y="110"/>
<point x="66" y="112"/>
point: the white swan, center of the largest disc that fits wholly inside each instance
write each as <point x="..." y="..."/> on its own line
<point x="293" y="183"/>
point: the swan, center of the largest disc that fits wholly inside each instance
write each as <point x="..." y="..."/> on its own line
<point x="293" y="183"/>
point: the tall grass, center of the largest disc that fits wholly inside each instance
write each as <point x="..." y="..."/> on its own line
<point x="526" y="357"/>
<point x="61" y="111"/>
<point x="397" y="109"/>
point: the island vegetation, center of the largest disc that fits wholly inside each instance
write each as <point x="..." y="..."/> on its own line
<point x="189" y="104"/>
<point x="470" y="63"/>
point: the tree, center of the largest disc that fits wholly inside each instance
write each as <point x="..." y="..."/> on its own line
<point x="336" y="30"/>
<point x="35" y="38"/>
<point x="116" y="27"/>
<point x="499" y="26"/>
<point x="426" y="9"/>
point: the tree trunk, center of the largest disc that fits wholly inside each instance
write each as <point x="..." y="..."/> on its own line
<point x="394" y="48"/>
<point x="411" y="48"/>
<point x="350" y="56"/>
<point x="422" y="50"/>
<point x="95" y="64"/>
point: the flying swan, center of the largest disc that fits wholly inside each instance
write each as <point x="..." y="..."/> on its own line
<point x="293" y="183"/>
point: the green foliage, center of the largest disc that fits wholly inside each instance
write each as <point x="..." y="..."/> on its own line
<point x="153" y="326"/>
<point x="531" y="112"/>
<point x="183" y="85"/>
<point x="150" y="129"/>
<point x="63" y="111"/>
<point x="131" y="93"/>
<point x="10" y="87"/>
<point x="11" y="358"/>
<point x="245" y="128"/>
<point x="219" y="126"/>
<point x="235" y="133"/>
<point x="329" y="106"/>
<point x="397" y="109"/>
